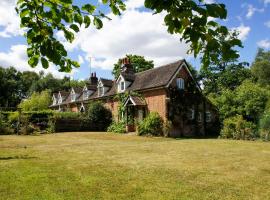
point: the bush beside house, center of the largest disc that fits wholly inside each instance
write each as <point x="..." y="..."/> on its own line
<point x="151" y="125"/>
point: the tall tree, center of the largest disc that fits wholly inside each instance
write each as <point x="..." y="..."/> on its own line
<point x="193" y="20"/>
<point x="217" y="78"/>
<point x="138" y="62"/>
<point x="261" y="67"/>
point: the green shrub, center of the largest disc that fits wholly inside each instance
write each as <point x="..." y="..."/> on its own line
<point x="238" y="128"/>
<point x="5" y="128"/>
<point x="265" y="127"/>
<point x="151" y="125"/>
<point x="98" y="114"/>
<point x="67" y="115"/>
<point x="117" y="127"/>
<point x="51" y="125"/>
<point x="13" y="117"/>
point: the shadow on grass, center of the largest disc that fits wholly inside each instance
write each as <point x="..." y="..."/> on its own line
<point x="17" y="158"/>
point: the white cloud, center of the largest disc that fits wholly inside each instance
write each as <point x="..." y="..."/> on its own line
<point x="267" y="23"/>
<point x="133" y="32"/>
<point x="243" y="31"/>
<point x="9" y="20"/>
<point x="209" y="1"/>
<point x="264" y="44"/>
<point x="266" y="2"/>
<point x="133" y="4"/>
<point x="16" y="57"/>
<point x="251" y="10"/>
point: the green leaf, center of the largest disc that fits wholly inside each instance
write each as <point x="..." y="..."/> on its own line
<point x="87" y="21"/>
<point x="78" y="18"/>
<point x="33" y="61"/>
<point x="98" y="23"/>
<point x="74" y="27"/>
<point x="44" y="62"/>
<point x="89" y="8"/>
<point x="24" y="12"/>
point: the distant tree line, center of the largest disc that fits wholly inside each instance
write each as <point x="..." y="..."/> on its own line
<point x="16" y="86"/>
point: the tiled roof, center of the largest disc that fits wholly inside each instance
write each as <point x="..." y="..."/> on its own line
<point x="152" y="78"/>
<point x="106" y="82"/>
<point x="149" y="79"/>
<point x="77" y="90"/>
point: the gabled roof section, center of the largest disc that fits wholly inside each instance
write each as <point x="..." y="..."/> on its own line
<point x="64" y="94"/>
<point x="106" y="82"/>
<point x="128" y="76"/>
<point x="135" y="101"/>
<point x="91" y="87"/>
<point x="77" y="90"/>
<point x="156" y="77"/>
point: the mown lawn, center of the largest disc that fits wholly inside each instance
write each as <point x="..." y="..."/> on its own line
<point x="106" y="166"/>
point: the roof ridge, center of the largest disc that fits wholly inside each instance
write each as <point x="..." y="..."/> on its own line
<point x="106" y="79"/>
<point x="155" y="68"/>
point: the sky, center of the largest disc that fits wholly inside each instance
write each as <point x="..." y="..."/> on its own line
<point x="136" y="31"/>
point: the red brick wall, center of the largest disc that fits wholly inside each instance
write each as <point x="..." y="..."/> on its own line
<point x="112" y="105"/>
<point x="156" y="101"/>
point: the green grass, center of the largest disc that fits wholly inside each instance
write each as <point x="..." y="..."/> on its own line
<point x="105" y="166"/>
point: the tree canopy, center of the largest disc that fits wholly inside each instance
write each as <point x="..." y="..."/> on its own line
<point x="261" y="67"/>
<point x="139" y="64"/>
<point x="16" y="85"/>
<point x="37" y="101"/>
<point x="193" y="20"/>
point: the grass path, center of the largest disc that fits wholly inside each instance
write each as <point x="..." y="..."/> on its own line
<point x="105" y="166"/>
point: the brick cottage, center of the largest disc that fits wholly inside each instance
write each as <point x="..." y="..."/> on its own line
<point x="169" y="90"/>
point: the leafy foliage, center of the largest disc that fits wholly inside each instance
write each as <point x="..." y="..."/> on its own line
<point x="261" y="67"/>
<point x="238" y="128"/>
<point x="151" y="125"/>
<point x="98" y="114"/>
<point x="37" y="102"/>
<point x="248" y="100"/>
<point x="117" y="127"/>
<point x="43" y="18"/>
<point x="265" y="126"/>
<point x="222" y="76"/>
<point x="16" y="85"/>
<point x="190" y="19"/>
<point x="138" y="62"/>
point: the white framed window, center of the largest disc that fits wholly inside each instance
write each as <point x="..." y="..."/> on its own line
<point x="199" y="117"/>
<point x="85" y="95"/>
<point x="60" y="100"/>
<point x="54" y="101"/>
<point x="180" y="83"/>
<point x="122" y="85"/>
<point x="191" y="114"/>
<point x="100" y="91"/>
<point x="208" y="116"/>
<point x="73" y="97"/>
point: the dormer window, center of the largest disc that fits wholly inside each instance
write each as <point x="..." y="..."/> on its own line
<point x="54" y="100"/>
<point x="59" y="99"/>
<point x="122" y="85"/>
<point x="100" y="91"/>
<point x="180" y="83"/>
<point x="73" y="96"/>
<point x="85" y="95"/>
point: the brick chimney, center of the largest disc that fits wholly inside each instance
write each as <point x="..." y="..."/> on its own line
<point x="93" y="79"/>
<point x="127" y="66"/>
<point x="127" y="70"/>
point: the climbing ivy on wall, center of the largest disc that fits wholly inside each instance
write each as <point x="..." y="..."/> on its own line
<point x="181" y="101"/>
<point x="122" y="97"/>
